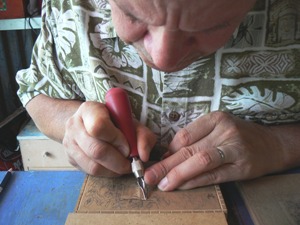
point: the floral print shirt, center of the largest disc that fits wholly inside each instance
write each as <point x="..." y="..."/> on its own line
<point x="255" y="76"/>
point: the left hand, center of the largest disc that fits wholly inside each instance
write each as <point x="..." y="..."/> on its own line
<point x="216" y="148"/>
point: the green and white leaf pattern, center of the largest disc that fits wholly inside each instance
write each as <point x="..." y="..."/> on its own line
<point x="79" y="56"/>
<point x="117" y="55"/>
<point x="253" y="100"/>
<point x="65" y="35"/>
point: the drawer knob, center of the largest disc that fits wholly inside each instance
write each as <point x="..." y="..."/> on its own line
<point x="47" y="154"/>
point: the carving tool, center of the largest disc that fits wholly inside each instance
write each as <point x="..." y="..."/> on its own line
<point x="6" y="179"/>
<point x="118" y="105"/>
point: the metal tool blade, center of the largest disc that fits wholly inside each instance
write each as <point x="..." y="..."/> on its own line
<point x="143" y="187"/>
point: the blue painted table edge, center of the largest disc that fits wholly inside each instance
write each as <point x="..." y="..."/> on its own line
<point x="40" y="197"/>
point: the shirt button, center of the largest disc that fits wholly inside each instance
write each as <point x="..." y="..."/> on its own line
<point x="174" y="116"/>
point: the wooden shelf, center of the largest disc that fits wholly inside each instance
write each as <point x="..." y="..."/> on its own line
<point x="20" y="24"/>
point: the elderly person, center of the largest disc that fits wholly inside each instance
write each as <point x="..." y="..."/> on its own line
<point x="214" y="86"/>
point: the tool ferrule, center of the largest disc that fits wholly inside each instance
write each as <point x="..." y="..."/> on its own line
<point x="137" y="167"/>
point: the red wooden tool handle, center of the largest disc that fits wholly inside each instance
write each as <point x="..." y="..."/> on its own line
<point x="118" y="104"/>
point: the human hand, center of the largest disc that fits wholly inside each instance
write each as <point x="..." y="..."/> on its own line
<point x="93" y="143"/>
<point x="216" y="148"/>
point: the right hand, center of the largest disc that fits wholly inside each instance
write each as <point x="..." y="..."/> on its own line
<point x="96" y="146"/>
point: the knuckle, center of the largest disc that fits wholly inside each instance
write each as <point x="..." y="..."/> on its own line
<point x="232" y="130"/>
<point x="162" y="169"/>
<point x="96" y="150"/>
<point x="186" y="153"/>
<point x="67" y="145"/>
<point x="68" y="142"/>
<point x="70" y="125"/>
<point x="96" y="117"/>
<point x="65" y="142"/>
<point x="212" y="177"/>
<point x="88" y="105"/>
<point x="95" y="128"/>
<point x="184" y="136"/>
<point x="204" y="158"/>
<point x="217" y="116"/>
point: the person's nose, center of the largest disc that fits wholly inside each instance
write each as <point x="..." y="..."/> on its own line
<point x="167" y="49"/>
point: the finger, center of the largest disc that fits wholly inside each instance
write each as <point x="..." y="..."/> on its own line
<point x="182" y="166"/>
<point x="79" y="160"/>
<point x="204" y="128"/>
<point x="146" y="140"/>
<point x="99" y="151"/>
<point x="197" y="164"/>
<point x="225" y="173"/>
<point x="156" y="172"/>
<point x="187" y="136"/>
<point x="95" y="151"/>
<point x="104" y="154"/>
<point x="98" y="124"/>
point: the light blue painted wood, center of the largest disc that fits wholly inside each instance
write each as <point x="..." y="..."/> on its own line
<point x="40" y="197"/>
<point x="20" y="23"/>
<point x="30" y="131"/>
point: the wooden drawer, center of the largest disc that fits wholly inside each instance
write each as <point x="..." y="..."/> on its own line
<point x="44" y="154"/>
<point x="41" y="153"/>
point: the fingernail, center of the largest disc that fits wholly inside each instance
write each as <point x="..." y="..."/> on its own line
<point x="163" y="184"/>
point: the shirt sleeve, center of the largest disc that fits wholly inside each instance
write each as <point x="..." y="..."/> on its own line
<point x="46" y="74"/>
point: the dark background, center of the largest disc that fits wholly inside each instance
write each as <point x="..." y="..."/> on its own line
<point x="15" y="54"/>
